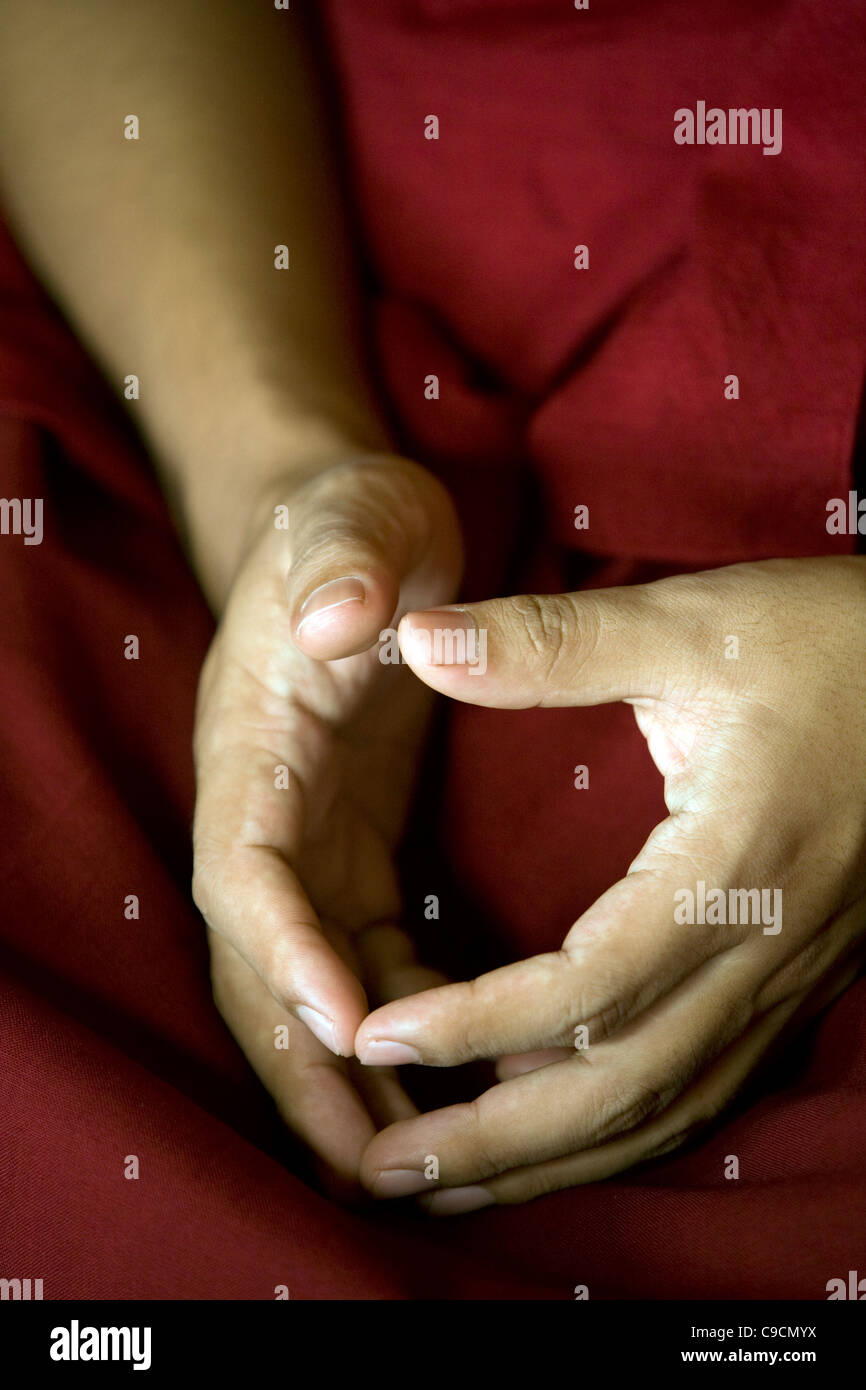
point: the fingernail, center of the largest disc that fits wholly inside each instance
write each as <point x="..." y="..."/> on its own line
<point x="441" y="637"/>
<point x="400" y="1182"/>
<point x="382" y="1053"/>
<point x="320" y="1026"/>
<point x="454" y="1201"/>
<point x="329" y="596"/>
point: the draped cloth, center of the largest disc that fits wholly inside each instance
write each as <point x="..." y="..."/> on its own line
<point x="558" y="388"/>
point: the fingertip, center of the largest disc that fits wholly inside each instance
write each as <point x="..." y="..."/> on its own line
<point x="323" y="600"/>
<point x="342" y="616"/>
<point x="378" y="1173"/>
<point x="457" y="1201"/>
<point x="330" y="1001"/>
<point x="382" y="1052"/>
<point x="443" y="645"/>
<point x="371" y="1031"/>
<point x="321" y="1027"/>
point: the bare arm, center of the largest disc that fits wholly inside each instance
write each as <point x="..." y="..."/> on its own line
<point x="161" y="249"/>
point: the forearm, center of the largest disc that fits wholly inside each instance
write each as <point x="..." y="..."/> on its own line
<point x="161" y="249"/>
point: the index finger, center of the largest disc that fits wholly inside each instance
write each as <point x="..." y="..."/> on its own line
<point x="622" y="955"/>
<point x="246" y="890"/>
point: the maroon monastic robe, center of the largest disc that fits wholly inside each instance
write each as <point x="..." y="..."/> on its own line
<point x="559" y="387"/>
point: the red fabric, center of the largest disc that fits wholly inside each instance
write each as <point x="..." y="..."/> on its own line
<point x="602" y="387"/>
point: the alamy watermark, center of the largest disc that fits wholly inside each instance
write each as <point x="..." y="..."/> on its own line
<point x="738" y="125"/>
<point x="77" y="1343"/>
<point x="846" y="516"/>
<point x="738" y="906"/>
<point x="444" y="646"/>
<point x="22" y="516"/>
<point x="21" y="1290"/>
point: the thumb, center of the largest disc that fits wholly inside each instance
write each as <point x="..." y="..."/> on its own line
<point x="356" y="534"/>
<point x="587" y="648"/>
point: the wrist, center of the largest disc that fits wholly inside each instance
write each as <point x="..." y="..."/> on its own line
<point x="224" y="497"/>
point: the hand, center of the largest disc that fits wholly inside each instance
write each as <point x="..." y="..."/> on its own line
<point x="645" y="1026"/>
<point x="305" y="747"/>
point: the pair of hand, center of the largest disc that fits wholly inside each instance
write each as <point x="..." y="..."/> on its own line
<point x="643" y="1026"/>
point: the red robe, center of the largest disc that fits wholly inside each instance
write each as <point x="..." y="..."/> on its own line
<point x="558" y="387"/>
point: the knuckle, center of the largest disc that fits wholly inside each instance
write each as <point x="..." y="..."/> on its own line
<point x="546" y="627"/>
<point x="202" y="889"/>
<point x="693" y="1121"/>
<point x="482" y="1159"/>
<point x="607" y="1020"/>
<point x="513" y="1189"/>
<point x="211" y="877"/>
<point x="472" y="1040"/>
<point x="622" y="1110"/>
<point x="276" y="970"/>
<point x="669" y="1143"/>
<point x="601" y="1011"/>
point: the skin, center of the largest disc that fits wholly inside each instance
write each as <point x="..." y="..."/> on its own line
<point x="296" y="882"/>
<point x="161" y="250"/>
<point x="254" y="396"/>
<point x="763" y="760"/>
